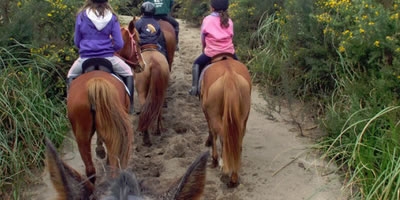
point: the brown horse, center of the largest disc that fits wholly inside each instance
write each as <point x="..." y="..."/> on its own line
<point x="225" y="100"/>
<point x="170" y="40"/>
<point x="151" y="86"/>
<point x="97" y="102"/>
<point x="70" y="185"/>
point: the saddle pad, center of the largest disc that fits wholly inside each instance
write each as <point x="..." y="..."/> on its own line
<point x="126" y="88"/>
<point x="202" y="75"/>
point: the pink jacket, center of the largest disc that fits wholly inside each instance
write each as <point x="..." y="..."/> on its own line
<point x="215" y="38"/>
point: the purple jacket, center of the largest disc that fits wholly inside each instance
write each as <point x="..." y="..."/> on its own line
<point x="97" y="43"/>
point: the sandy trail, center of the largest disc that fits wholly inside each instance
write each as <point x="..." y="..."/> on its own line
<point x="277" y="164"/>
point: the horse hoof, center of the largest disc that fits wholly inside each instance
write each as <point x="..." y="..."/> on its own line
<point x="208" y="143"/>
<point x="231" y="184"/>
<point x="214" y="163"/>
<point x="147" y="144"/>
<point x="100" y="152"/>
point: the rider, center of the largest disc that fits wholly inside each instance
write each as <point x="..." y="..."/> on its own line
<point x="148" y="28"/>
<point x="216" y="37"/>
<point x="163" y="11"/>
<point x="98" y="35"/>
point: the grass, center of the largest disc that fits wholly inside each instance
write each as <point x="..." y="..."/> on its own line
<point x="28" y="114"/>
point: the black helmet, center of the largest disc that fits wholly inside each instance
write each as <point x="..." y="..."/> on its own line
<point x="148" y="8"/>
<point x="220" y="5"/>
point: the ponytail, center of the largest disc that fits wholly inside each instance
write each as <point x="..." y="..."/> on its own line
<point x="224" y="17"/>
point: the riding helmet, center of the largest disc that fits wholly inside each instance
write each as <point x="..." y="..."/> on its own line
<point x="220" y="5"/>
<point x="100" y="1"/>
<point x="148" y="9"/>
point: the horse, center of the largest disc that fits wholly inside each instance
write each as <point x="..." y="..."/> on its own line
<point x="225" y="96"/>
<point x="170" y="40"/>
<point x="97" y="102"/>
<point x="71" y="185"/>
<point x="151" y="85"/>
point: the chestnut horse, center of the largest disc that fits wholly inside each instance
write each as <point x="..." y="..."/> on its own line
<point x="170" y="40"/>
<point x="70" y="185"/>
<point x="225" y="99"/>
<point x="151" y="86"/>
<point x="97" y="102"/>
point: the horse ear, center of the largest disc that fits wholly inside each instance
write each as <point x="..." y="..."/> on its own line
<point x="68" y="183"/>
<point x="192" y="183"/>
<point x="131" y="26"/>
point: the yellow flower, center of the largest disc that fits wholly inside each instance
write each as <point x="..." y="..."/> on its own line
<point x="371" y="23"/>
<point x="342" y="49"/>
<point x="376" y="43"/>
<point x="49" y="14"/>
<point x="19" y="4"/>
<point x="390" y="38"/>
<point x="362" y="30"/>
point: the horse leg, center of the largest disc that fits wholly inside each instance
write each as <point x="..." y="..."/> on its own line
<point x="84" y="139"/>
<point x="159" y="126"/>
<point x="214" y="128"/>
<point x="146" y="138"/>
<point x="100" y="151"/>
<point x="209" y="141"/>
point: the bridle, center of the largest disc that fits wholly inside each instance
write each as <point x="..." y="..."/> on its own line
<point x="134" y="55"/>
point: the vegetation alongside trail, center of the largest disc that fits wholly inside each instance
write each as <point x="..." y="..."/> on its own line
<point x="339" y="56"/>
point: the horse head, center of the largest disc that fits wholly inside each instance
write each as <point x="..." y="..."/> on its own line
<point x="70" y="185"/>
<point x="131" y="52"/>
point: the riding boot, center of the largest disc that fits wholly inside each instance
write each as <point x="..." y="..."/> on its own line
<point x="195" y="80"/>
<point x="130" y="85"/>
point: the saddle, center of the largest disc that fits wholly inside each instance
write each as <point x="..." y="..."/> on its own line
<point x="92" y="64"/>
<point x="221" y="56"/>
<point x="102" y="64"/>
<point x="214" y="59"/>
<point x="149" y="47"/>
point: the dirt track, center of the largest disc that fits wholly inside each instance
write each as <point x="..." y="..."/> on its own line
<point x="277" y="164"/>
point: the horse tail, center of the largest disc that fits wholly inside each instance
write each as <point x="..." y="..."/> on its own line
<point x="155" y="98"/>
<point x="112" y="121"/>
<point x="232" y="126"/>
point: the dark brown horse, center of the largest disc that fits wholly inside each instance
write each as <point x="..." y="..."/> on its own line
<point x="70" y="185"/>
<point x="97" y="102"/>
<point x="151" y="86"/>
<point x="225" y="98"/>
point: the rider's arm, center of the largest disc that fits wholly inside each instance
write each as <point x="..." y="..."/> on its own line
<point x="77" y="33"/>
<point x="116" y="35"/>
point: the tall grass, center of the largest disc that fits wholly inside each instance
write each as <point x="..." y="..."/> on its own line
<point x="358" y="102"/>
<point x="28" y="114"/>
<point x="368" y="148"/>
